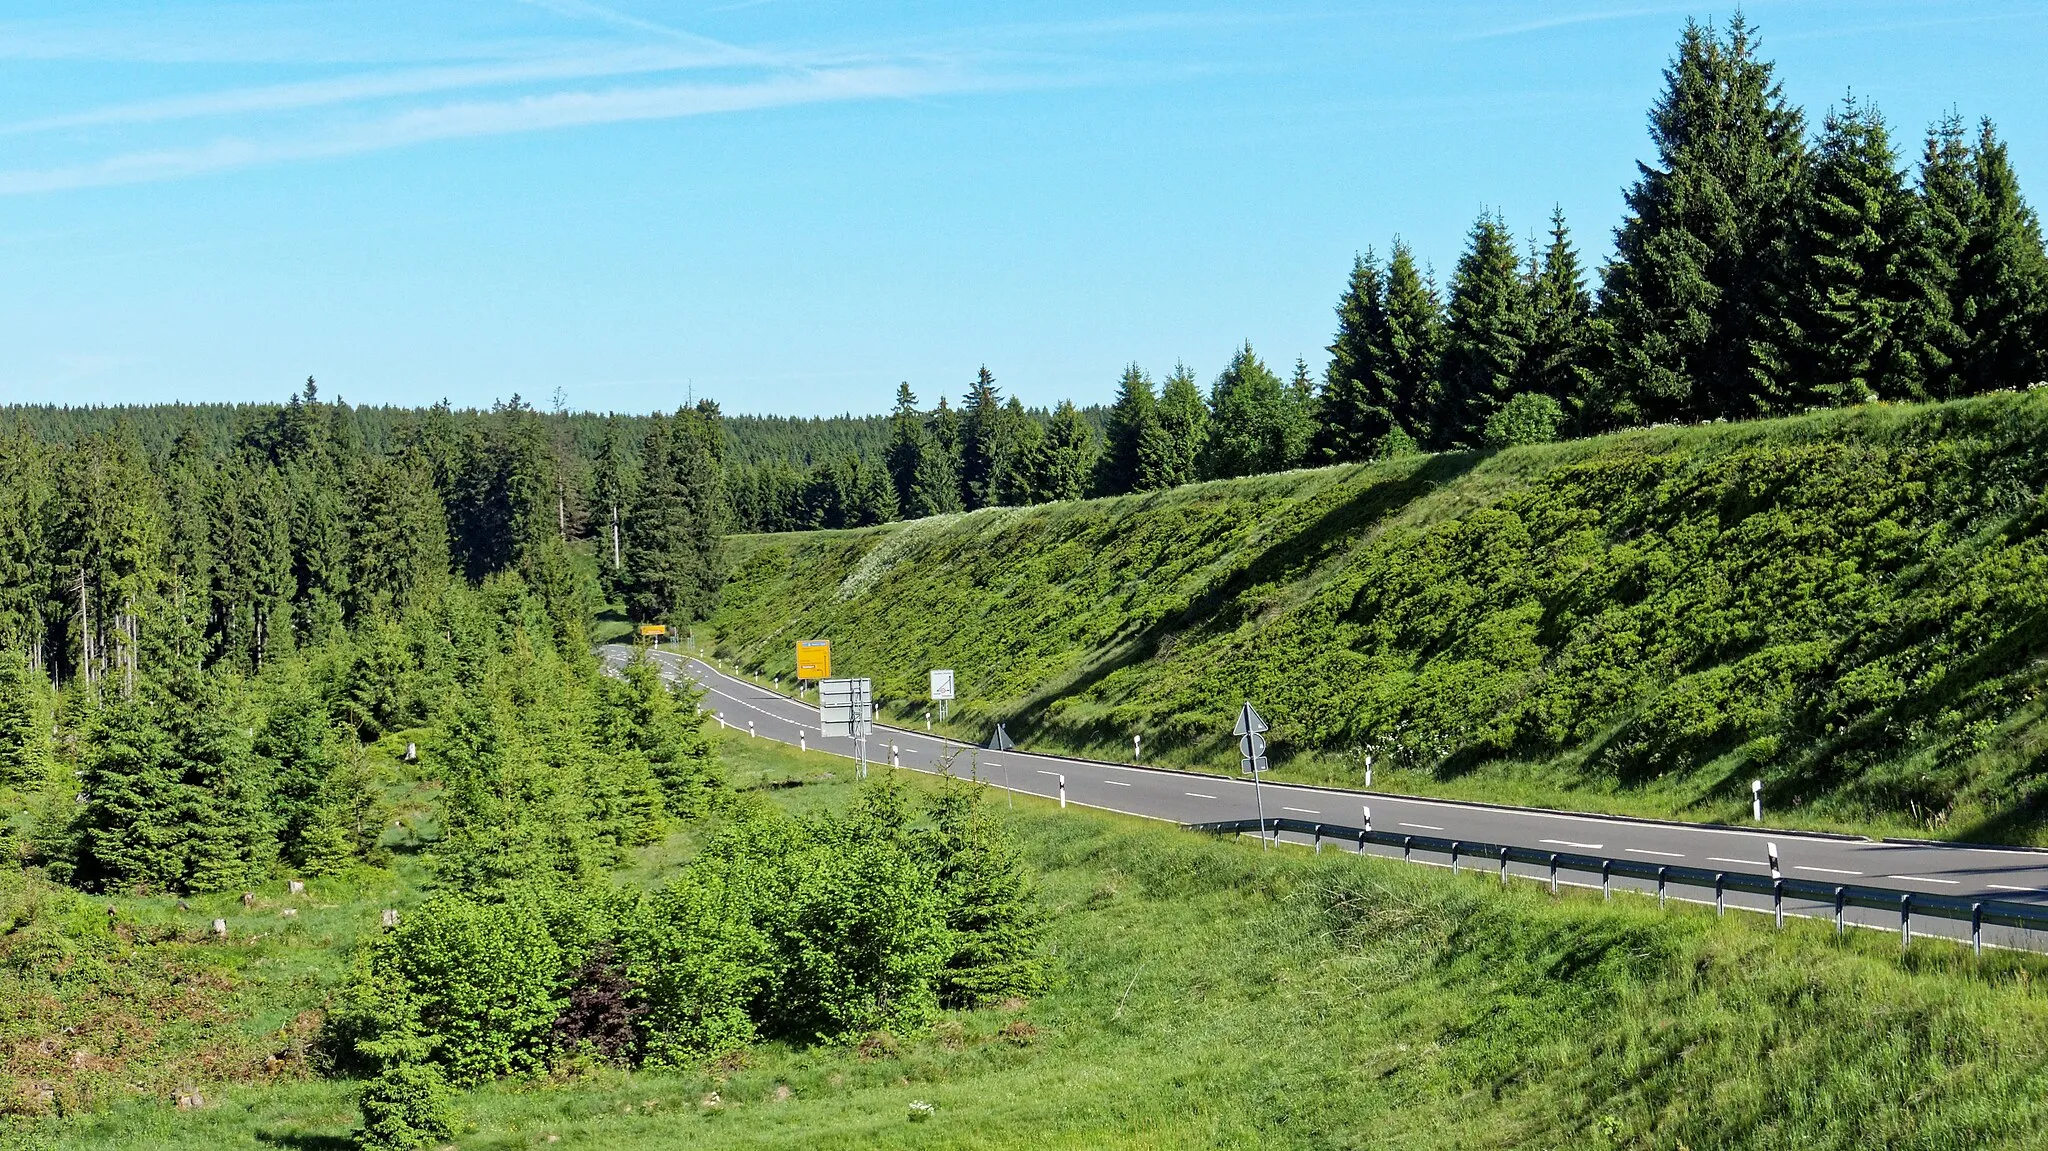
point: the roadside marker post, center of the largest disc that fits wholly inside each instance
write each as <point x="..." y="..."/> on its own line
<point x="1137" y="748"/>
<point x="1063" y="793"/>
<point x="1368" y="769"/>
<point x="1773" y="849"/>
<point x="895" y="757"/>
<point x="750" y="729"/>
<point x="1756" y="800"/>
<point x="1251" y="755"/>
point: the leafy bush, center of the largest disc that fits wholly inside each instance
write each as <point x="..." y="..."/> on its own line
<point x="1527" y="418"/>
<point x="407" y="1107"/>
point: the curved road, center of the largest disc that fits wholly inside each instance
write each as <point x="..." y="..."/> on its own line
<point x="2014" y="875"/>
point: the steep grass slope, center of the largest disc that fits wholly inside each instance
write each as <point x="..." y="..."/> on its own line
<point x="1848" y="605"/>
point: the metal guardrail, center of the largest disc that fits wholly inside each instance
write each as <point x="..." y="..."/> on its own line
<point x="1976" y="912"/>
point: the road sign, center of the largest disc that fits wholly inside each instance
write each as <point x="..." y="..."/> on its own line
<point x="846" y="707"/>
<point x="1251" y="756"/>
<point x="942" y="684"/>
<point x="814" y="659"/>
<point x="1251" y="745"/>
<point x="1000" y="741"/>
<point x="1251" y="753"/>
<point x="652" y="632"/>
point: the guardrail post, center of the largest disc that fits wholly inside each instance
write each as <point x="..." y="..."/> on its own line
<point x="1606" y="892"/>
<point x="1778" y="901"/>
<point x="1841" y="901"/>
<point x="1407" y="848"/>
<point x="1977" y="930"/>
<point x="1720" y="893"/>
<point x="1454" y="856"/>
<point x="1553" y="873"/>
<point x="1503" y="867"/>
<point x="1660" y="887"/>
<point x="1905" y="921"/>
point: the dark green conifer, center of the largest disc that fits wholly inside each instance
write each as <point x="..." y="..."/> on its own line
<point x="1130" y="418"/>
<point x="1355" y="411"/>
<point x="1487" y="339"/>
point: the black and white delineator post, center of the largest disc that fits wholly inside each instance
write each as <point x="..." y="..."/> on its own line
<point x="1000" y="741"/>
<point x="1251" y="756"/>
<point x="1756" y="800"/>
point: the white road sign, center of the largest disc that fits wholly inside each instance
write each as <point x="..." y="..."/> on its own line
<point x="846" y="707"/>
<point x="942" y="683"/>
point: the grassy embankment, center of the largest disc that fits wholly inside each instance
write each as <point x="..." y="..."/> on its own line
<point x="1848" y="605"/>
<point x="1209" y="994"/>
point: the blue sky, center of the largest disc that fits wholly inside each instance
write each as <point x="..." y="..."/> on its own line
<point x="790" y="205"/>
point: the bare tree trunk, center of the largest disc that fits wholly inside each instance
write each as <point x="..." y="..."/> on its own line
<point x="615" y="537"/>
<point x="84" y="629"/>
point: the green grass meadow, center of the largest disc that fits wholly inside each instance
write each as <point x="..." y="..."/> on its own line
<point x="1209" y="994"/>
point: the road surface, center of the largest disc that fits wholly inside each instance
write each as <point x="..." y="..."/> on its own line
<point x="2013" y="875"/>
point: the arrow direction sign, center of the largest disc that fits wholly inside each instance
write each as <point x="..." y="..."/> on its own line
<point x="1251" y="756"/>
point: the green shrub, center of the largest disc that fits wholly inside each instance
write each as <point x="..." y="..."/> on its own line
<point x="1527" y="418"/>
<point x="407" y="1107"/>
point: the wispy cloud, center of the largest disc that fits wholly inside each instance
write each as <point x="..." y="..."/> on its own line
<point x="468" y="119"/>
<point x="1570" y="19"/>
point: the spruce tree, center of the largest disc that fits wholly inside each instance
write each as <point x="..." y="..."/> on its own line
<point x="1255" y="428"/>
<point x="1067" y="456"/>
<point x="1183" y="432"/>
<point x="1415" y="344"/>
<point x="2002" y="283"/>
<point x="908" y="443"/>
<point x="1015" y="463"/>
<point x="1130" y="419"/>
<point x="935" y="486"/>
<point x="981" y="422"/>
<point x="1834" y="336"/>
<point x="1490" y="330"/>
<point x="672" y="572"/>
<point x="1932" y="344"/>
<point x="1355" y="411"/>
<point x="1559" y="362"/>
<point x="991" y="907"/>
<point x="1690" y="288"/>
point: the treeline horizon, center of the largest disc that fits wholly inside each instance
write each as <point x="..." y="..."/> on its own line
<point x="1760" y="270"/>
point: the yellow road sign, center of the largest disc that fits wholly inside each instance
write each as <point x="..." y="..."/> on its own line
<point x="653" y="629"/>
<point x="814" y="659"/>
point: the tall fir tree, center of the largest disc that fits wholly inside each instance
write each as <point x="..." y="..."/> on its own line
<point x="1487" y="339"/>
<point x="1356" y="410"/>
<point x="2002" y="284"/>
<point x="1130" y="419"/>
<point x="1689" y="291"/>
<point x="672" y="572"/>
<point x="981" y="429"/>
<point x="1415" y="345"/>
<point x="908" y="442"/>
<point x="1255" y="426"/>
<point x="1931" y="340"/>
<point x="1066" y="457"/>
<point x="1834" y="337"/>
<point x="1172" y="458"/>
<point x="1014" y="458"/>
<point x="1560" y="359"/>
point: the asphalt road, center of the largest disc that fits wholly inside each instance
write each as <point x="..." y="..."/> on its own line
<point x="2011" y="875"/>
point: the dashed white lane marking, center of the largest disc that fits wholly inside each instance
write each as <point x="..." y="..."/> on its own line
<point x="1926" y="879"/>
<point x="1824" y="870"/>
<point x="1042" y="771"/>
<point x="1303" y="810"/>
<point x="2010" y="887"/>
<point x="1647" y="851"/>
<point x="1115" y="783"/>
<point x="1569" y="843"/>
<point x="1743" y="862"/>
<point x="1423" y="826"/>
<point x="1198" y="795"/>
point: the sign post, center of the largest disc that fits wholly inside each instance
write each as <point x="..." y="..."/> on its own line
<point x="1251" y="756"/>
<point x="1000" y="741"/>
<point x="942" y="689"/>
<point x="846" y="707"/>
